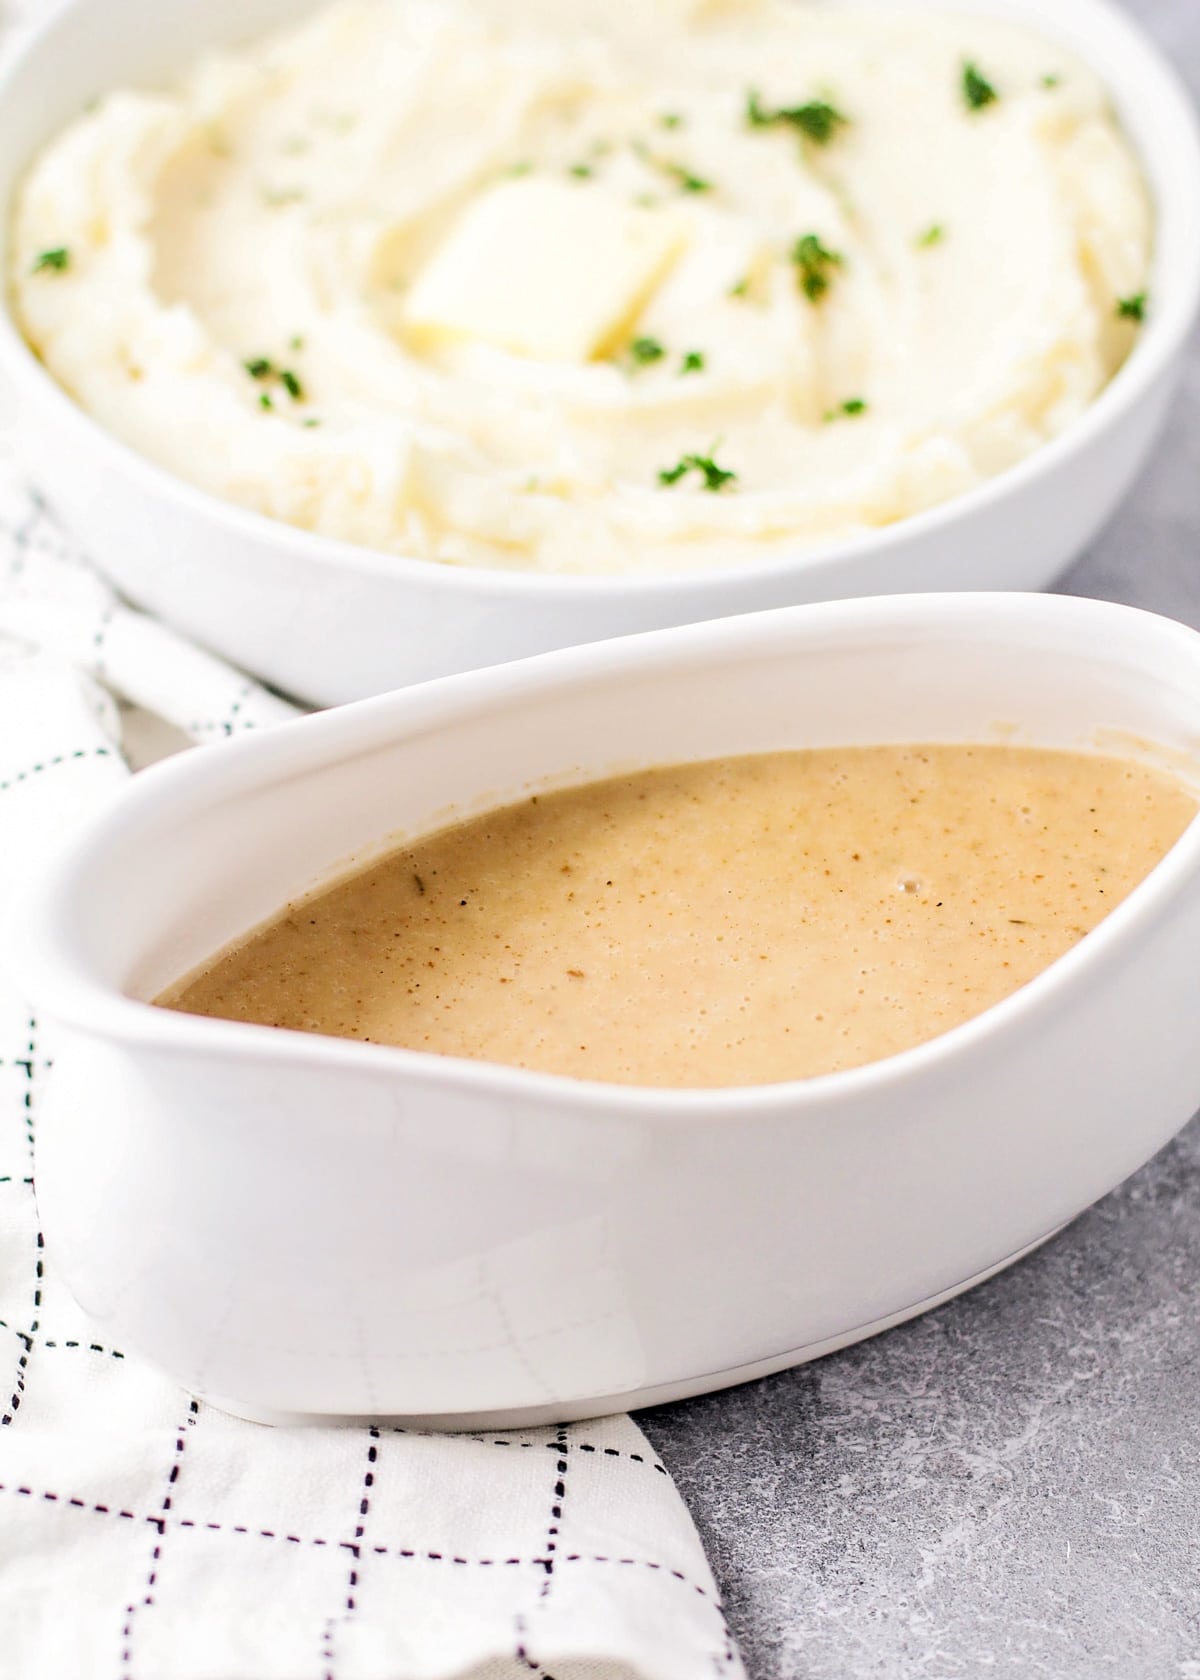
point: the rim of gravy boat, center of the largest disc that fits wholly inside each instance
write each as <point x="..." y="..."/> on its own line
<point x="1138" y="75"/>
<point x="43" y="945"/>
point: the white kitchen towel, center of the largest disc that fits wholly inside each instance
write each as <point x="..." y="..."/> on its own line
<point x="145" y="1536"/>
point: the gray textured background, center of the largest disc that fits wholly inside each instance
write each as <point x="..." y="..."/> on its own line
<point x="1009" y="1487"/>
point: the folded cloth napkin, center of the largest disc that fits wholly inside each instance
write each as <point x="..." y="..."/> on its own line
<point x="146" y="1536"/>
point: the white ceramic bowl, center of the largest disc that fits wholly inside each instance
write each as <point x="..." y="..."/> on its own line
<point x="296" y="1225"/>
<point x="331" y="622"/>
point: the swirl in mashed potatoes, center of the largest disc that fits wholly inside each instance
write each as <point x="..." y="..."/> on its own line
<point x="566" y="288"/>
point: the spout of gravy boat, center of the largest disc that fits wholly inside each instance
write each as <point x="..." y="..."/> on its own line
<point x="300" y="1226"/>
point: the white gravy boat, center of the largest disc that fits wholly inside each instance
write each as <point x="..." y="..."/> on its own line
<point x="298" y="1226"/>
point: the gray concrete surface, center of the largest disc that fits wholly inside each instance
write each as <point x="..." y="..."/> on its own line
<point x="1009" y="1487"/>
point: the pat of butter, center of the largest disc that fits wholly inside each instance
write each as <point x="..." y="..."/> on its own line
<point x="546" y="269"/>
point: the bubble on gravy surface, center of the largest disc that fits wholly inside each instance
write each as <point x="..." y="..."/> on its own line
<point x="736" y="922"/>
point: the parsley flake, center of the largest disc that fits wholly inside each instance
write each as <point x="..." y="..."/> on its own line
<point x="814" y="262"/>
<point x="1052" y="80"/>
<point x="687" y="180"/>
<point x="715" y="477"/>
<point x="671" y="119"/>
<point x="263" y="369"/>
<point x="693" y="362"/>
<point x="977" y="91"/>
<point x="933" y="235"/>
<point x="582" y="171"/>
<point x="817" y="120"/>
<point x="55" y="261"/>
<point x="646" y="350"/>
<point x="851" y="409"/>
<point x="1132" y="308"/>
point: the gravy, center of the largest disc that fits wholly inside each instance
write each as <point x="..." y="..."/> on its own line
<point x="735" y="922"/>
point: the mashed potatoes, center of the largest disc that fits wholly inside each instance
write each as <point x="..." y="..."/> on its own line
<point x="568" y="288"/>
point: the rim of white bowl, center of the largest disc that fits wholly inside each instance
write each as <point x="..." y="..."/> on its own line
<point x="71" y="992"/>
<point x="1151" y="80"/>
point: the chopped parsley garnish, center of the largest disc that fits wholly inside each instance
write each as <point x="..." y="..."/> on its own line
<point x="693" y="362"/>
<point x="687" y="180"/>
<point x="932" y="236"/>
<point x="851" y="409"/>
<point x="756" y="113"/>
<point x="56" y="260"/>
<point x="977" y="91"/>
<point x="264" y="369"/>
<point x="311" y="421"/>
<point x="817" y="120"/>
<point x="677" y="172"/>
<point x="814" y="262"/>
<point x="741" y="287"/>
<point x="1132" y="308"/>
<point x="583" y="171"/>
<point x="715" y="477"/>
<point x="296" y="342"/>
<point x="1052" y="80"/>
<point x="264" y="400"/>
<point x="671" y="119"/>
<point x="646" y="350"/>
